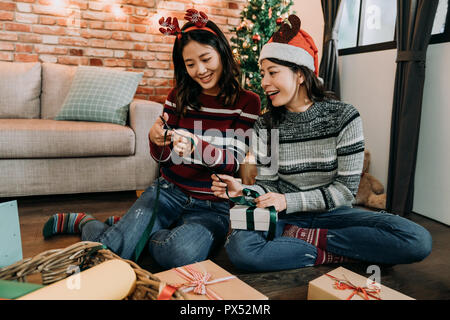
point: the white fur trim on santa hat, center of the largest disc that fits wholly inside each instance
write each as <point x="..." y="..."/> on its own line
<point x="287" y="52"/>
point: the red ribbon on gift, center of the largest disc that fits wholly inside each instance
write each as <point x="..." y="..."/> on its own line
<point x="197" y="282"/>
<point x="364" y="292"/>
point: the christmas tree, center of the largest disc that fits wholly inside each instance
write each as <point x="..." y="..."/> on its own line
<point x="259" y="20"/>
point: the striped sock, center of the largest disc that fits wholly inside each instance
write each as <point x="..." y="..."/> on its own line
<point x="112" y="220"/>
<point x="316" y="237"/>
<point x="65" y="223"/>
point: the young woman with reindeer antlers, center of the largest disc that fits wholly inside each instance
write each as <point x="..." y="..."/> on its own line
<point x="178" y="216"/>
<point x="318" y="162"/>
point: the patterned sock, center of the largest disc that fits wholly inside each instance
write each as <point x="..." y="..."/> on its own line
<point x="325" y="257"/>
<point x="112" y="220"/>
<point x="65" y="223"/>
<point x="316" y="237"/>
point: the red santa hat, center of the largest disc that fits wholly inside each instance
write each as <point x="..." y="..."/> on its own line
<point x="292" y="44"/>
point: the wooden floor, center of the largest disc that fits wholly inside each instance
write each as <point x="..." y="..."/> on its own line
<point x="429" y="279"/>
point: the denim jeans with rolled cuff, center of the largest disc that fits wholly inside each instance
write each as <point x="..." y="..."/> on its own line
<point x="375" y="237"/>
<point x="186" y="229"/>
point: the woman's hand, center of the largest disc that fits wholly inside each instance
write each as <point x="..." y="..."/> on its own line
<point x="219" y="188"/>
<point x="184" y="142"/>
<point x="272" y="199"/>
<point x="157" y="131"/>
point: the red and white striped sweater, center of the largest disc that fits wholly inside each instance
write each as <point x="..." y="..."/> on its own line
<point x="223" y="142"/>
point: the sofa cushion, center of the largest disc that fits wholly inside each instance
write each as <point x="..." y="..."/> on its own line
<point x="100" y="94"/>
<point x="56" y="82"/>
<point x="20" y="88"/>
<point x="38" y="138"/>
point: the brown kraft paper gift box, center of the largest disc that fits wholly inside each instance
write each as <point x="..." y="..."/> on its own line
<point x="324" y="288"/>
<point x="231" y="289"/>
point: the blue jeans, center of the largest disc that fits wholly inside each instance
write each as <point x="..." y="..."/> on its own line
<point x="186" y="229"/>
<point x="375" y="237"/>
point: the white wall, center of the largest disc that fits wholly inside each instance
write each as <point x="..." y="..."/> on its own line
<point x="311" y="16"/>
<point x="432" y="180"/>
<point x="367" y="82"/>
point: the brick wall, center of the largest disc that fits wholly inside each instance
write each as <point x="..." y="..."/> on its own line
<point x="111" y="33"/>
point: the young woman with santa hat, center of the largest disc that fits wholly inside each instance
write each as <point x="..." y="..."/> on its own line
<point x="318" y="160"/>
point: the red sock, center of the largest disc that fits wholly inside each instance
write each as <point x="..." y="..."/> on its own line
<point x="112" y="220"/>
<point x="316" y="237"/>
<point x="325" y="257"/>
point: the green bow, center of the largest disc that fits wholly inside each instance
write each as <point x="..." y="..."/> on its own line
<point x="248" y="199"/>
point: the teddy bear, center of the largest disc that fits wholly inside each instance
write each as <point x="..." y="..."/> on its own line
<point x="371" y="191"/>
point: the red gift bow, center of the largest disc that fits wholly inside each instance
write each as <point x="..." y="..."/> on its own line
<point x="345" y="284"/>
<point x="197" y="282"/>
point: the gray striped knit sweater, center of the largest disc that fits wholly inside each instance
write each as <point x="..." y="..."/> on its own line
<point x="318" y="158"/>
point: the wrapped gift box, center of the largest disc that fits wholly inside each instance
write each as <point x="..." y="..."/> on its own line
<point x="327" y="288"/>
<point x="229" y="287"/>
<point x="10" y="239"/>
<point x="259" y="221"/>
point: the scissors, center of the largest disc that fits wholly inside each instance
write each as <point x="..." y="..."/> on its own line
<point x="165" y="123"/>
<point x="192" y="141"/>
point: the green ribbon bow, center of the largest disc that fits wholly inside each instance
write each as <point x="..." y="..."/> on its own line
<point x="248" y="199"/>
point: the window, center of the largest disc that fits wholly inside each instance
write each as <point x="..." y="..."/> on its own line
<point x="441" y="16"/>
<point x="369" y="25"/>
<point x="377" y="21"/>
<point x="348" y="31"/>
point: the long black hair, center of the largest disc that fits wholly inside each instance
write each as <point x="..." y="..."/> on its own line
<point x="315" y="90"/>
<point x="187" y="89"/>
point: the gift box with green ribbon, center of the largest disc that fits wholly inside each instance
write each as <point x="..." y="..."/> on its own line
<point x="246" y="216"/>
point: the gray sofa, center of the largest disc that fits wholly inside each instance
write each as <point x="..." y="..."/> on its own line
<point x="40" y="155"/>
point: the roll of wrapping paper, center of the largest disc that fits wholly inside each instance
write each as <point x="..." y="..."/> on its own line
<point x="248" y="199"/>
<point x="110" y="280"/>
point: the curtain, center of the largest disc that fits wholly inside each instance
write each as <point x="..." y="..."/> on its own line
<point x="414" y="24"/>
<point x="328" y="69"/>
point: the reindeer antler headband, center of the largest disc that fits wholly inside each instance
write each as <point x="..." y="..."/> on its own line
<point x="171" y="27"/>
<point x="292" y="44"/>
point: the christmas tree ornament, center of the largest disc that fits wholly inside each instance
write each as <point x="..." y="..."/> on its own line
<point x="256" y="38"/>
<point x="279" y="21"/>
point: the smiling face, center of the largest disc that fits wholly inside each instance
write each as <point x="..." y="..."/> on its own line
<point x="203" y="65"/>
<point x="280" y="83"/>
